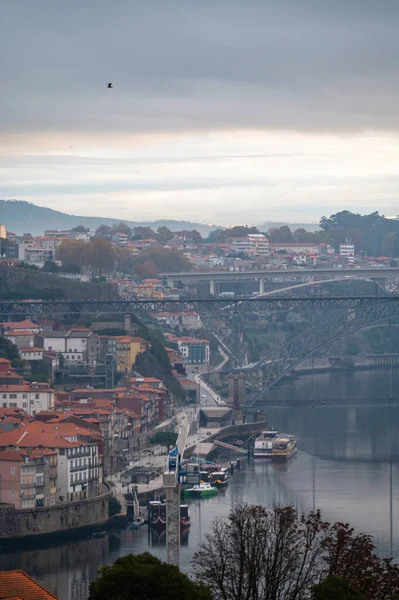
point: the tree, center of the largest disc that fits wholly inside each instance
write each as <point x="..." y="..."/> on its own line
<point x="50" y="267"/>
<point x="144" y="233"/>
<point x="261" y="553"/>
<point x="164" y="259"/>
<point x="121" y="228"/>
<point x="164" y="234"/>
<point x="100" y="256"/>
<point x="272" y="553"/>
<point x="104" y="232"/>
<point x="145" y="577"/>
<point x="72" y="252"/>
<point x="352" y="556"/>
<point x="8" y="350"/>
<point x="280" y="235"/>
<point x="164" y="438"/>
<point x="80" y="229"/>
<point x="390" y="244"/>
<point x="336" y="588"/>
<point x="114" y="506"/>
<point x="301" y="235"/>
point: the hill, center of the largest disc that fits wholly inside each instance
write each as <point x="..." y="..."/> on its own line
<point x="24" y="217"/>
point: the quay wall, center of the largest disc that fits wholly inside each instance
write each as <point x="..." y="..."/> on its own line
<point x="53" y="519"/>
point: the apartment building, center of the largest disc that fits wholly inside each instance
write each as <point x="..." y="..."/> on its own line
<point x="28" y="477"/>
<point x="193" y="351"/>
<point x="75" y="346"/>
<point x="31" y="397"/>
<point x="77" y="467"/>
<point x="182" y="320"/>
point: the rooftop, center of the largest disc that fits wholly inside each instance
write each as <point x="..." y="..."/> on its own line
<point x="18" y="585"/>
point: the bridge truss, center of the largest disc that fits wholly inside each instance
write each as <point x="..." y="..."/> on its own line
<point x="39" y="307"/>
<point x="284" y="359"/>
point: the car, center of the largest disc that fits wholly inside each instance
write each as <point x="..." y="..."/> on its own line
<point x="209" y="433"/>
<point x="203" y="396"/>
<point x="238" y="442"/>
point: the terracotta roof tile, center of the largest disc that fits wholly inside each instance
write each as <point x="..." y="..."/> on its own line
<point x="17" y="584"/>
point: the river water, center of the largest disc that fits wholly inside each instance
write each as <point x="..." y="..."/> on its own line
<point x="347" y="466"/>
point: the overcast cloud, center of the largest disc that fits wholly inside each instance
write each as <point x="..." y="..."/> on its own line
<point x="218" y="108"/>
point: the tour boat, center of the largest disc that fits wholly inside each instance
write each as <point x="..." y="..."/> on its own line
<point x="203" y="490"/>
<point x="219" y="478"/>
<point x="284" y="449"/>
<point x="264" y="444"/>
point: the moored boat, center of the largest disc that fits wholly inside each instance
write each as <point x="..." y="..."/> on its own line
<point x="157" y="514"/>
<point x="203" y="490"/>
<point x="284" y="449"/>
<point x="264" y="444"/>
<point x="219" y="478"/>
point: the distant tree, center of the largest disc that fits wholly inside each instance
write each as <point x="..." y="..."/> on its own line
<point x="390" y="244"/>
<point x="72" y="252"/>
<point x="145" y="270"/>
<point x="123" y="260"/>
<point x="164" y="259"/>
<point x="121" y="228"/>
<point x="8" y="350"/>
<point x="336" y="588"/>
<point x="80" y="229"/>
<point x="145" y="577"/>
<point x="195" y="236"/>
<point x="70" y="268"/>
<point x="301" y="235"/>
<point x="104" y="232"/>
<point x="100" y="256"/>
<point x="164" y="438"/>
<point x="50" y="267"/>
<point x="281" y="235"/>
<point x="144" y="233"/>
<point x="164" y="234"/>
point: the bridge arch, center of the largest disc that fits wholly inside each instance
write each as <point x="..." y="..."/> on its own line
<point x="284" y="359"/>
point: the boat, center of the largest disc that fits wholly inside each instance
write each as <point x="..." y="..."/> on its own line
<point x="283" y="449"/>
<point x="99" y="534"/>
<point x="203" y="490"/>
<point x="137" y="523"/>
<point x="219" y="478"/>
<point x="264" y="444"/>
<point x="157" y="514"/>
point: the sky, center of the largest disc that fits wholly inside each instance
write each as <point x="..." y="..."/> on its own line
<point x="222" y="111"/>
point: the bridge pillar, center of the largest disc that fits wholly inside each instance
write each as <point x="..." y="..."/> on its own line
<point x="231" y="386"/>
<point x="128" y="323"/>
<point x="212" y="287"/>
<point x="261" y="286"/>
<point x="240" y="391"/>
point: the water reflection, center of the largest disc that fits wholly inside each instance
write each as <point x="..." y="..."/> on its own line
<point x="347" y="465"/>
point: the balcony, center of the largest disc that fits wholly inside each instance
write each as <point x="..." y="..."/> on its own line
<point x="28" y="495"/>
<point x="26" y="486"/>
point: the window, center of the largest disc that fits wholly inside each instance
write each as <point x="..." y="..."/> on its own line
<point x="24" y="396"/>
<point x="24" y="404"/>
<point x="12" y="470"/>
<point x="4" y="404"/>
<point x="13" y="396"/>
<point x="37" y="396"/>
<point x="4" y="396"/>
<point x="12" y="491"/>
<point x="80" y="462"/>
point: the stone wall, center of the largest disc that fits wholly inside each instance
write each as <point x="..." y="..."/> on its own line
<point x="47" y="520"/>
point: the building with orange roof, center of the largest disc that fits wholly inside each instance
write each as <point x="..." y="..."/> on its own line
<point x="78" y="467"/>
<point x="17" y="585"/>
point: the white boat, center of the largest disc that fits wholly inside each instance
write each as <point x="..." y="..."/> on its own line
<point x="264" y="444"/>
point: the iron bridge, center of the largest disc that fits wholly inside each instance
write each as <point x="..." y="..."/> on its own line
<point x="39" y="307"/>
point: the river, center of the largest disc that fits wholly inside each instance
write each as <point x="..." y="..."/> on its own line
<point x="347" y="466"/>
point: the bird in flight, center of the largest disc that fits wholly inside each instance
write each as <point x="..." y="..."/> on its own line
<point x="109" y="85"/>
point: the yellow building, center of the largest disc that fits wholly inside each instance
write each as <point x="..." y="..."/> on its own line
<point x="127" y="349"/>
